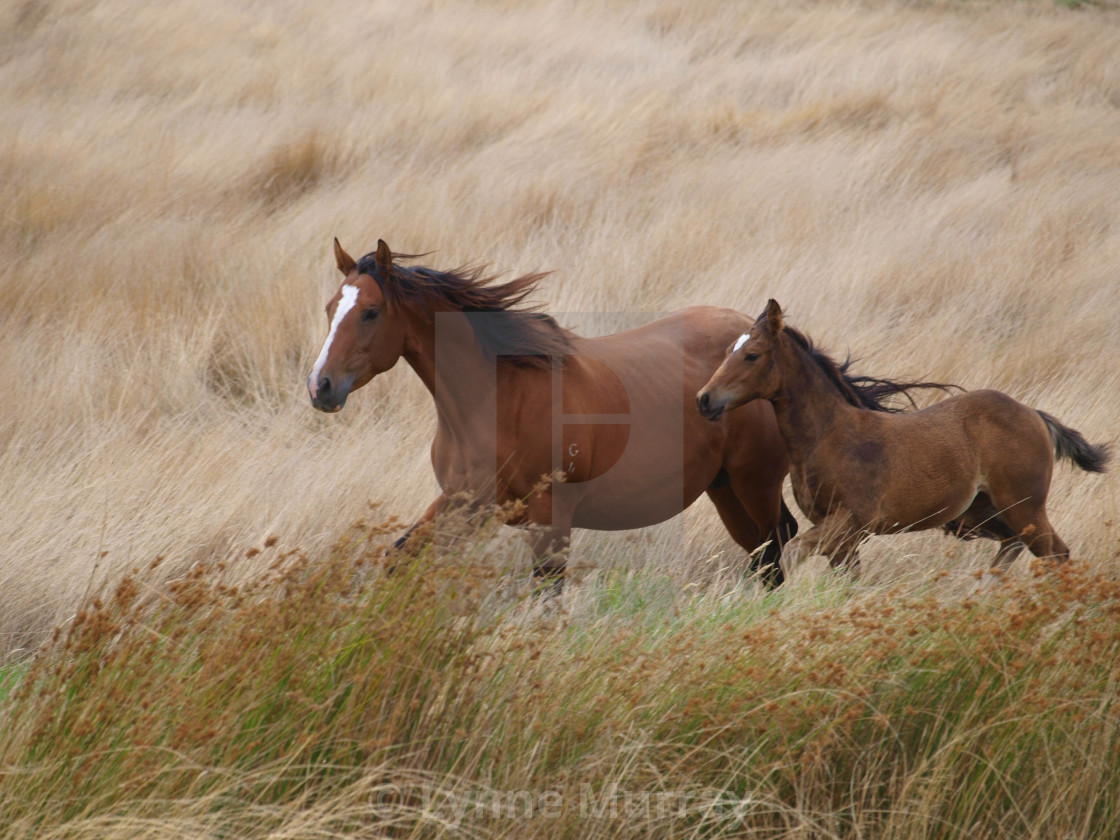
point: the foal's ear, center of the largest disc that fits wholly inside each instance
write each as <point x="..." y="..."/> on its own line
<point x="774" y="316"/>
<point x="383" y="257"/>
<point x="344" y="261"/>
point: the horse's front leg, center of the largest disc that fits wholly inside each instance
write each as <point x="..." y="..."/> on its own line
<point x="434" y="509"/>
<point x="847" y="556"/>
<point x="836" y="537"/>
<point x="550" y="534"/>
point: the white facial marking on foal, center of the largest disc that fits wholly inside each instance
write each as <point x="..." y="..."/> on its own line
<point x="349" y="298"/>
<point x="743" y="339"/>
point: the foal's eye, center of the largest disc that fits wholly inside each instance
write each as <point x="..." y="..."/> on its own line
<point x="369" y="315"/>
<point x="750" y="357"/>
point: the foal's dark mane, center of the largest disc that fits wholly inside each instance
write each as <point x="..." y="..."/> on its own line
<point x="507" y="334"/>
<point x="861" y="391"/>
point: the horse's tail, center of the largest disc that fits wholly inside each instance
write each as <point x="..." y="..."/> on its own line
<point x="1071" y="444"/>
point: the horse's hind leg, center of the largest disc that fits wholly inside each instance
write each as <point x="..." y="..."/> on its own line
<point x="1009" y="549"/>
<point x="760" y="498"/>
<point x="745" y="532"/>
<point x="983" y="520"/>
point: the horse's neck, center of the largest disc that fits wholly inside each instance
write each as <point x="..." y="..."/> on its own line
<point x="462" y="381"/>
<point x="808" y="407"/>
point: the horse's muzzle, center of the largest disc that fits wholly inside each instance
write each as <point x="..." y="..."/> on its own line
<point x="708" y="407"/>
<point x="328" y="396"/>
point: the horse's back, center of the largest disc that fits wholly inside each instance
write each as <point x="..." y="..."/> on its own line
<point x="987" y="412"/>
<point x="1012" y="435"/>
<point x="1003" y="439"/>
<point x="695" y="331"/>
<point x="664" y="361"/>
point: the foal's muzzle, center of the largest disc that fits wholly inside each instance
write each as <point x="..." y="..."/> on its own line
<point x="712" y="409"/>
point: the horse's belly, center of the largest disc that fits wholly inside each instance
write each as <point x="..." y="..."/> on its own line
<point x="923" y="509"/>
<point x="624" y="516"/>
<point x="615" y="506"/>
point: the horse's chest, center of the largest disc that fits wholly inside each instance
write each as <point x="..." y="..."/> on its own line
<point x="499" y="468"/>
<point x="806" y="492"/>
<point x="819" y="492"/>
<point x="462" y="467"/>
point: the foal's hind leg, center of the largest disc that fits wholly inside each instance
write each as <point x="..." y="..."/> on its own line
<point x="983" y="520"/>
<point x="1031" y="526"/>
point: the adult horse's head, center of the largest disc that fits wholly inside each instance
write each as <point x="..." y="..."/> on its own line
<point x="749" y="371"/>
<point x="363" y="338"/>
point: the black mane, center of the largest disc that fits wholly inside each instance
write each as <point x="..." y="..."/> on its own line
<point x="506" y="332"/>
<point x="866" y="392"/>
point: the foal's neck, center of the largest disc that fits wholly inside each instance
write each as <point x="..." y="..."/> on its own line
<point x="808" y="406"/>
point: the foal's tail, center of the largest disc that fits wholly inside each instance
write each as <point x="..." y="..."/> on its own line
<point x="1071" y="444"/>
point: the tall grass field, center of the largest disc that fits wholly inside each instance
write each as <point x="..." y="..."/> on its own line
<point x="198" y="636"/>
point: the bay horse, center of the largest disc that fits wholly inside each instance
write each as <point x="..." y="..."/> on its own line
<point x="563" y="431"/>
<point x="977" y="463"/>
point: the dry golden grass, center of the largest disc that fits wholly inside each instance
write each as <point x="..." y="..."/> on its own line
<point x="307" y="703"/>
<point x="933" y="186"/>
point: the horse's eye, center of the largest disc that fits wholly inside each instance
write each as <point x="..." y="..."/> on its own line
<point x="369" y="315"/>
<point x="750" y="357"/>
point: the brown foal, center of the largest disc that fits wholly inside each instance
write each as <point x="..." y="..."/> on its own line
<point x="977" y="463"/>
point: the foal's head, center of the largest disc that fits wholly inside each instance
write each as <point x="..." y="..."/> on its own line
<point x="364" y="339"/>
<point x="750" y="370"/>
<point x="759" y="365"/>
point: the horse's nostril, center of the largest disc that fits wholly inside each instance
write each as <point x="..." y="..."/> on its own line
<point x="703" y="402"/>
<point x="324" y="385"/>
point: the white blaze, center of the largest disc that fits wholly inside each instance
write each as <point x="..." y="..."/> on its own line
<point x="349" y="298"/>
<point x="743" y="339"/>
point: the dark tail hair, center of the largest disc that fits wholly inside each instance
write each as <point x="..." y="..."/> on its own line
<point x="1071" y="444"/>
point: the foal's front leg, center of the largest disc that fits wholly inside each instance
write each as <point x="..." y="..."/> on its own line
<point x="836" y="537"/>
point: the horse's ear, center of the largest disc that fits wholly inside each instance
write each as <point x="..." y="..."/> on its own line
<point x="344" y="261"/>
<point x="383" y="257"/>
<point x="774" y="316"/>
